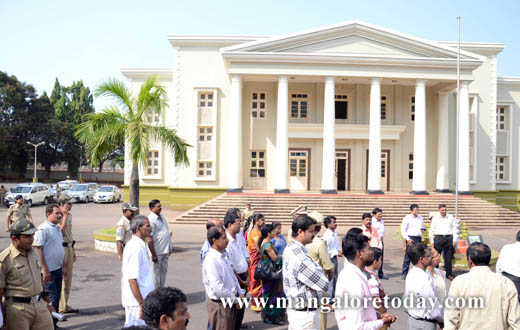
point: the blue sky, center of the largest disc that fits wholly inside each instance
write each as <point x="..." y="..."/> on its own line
<point x="91" y="40"/>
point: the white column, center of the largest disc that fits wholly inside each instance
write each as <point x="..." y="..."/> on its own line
<point x="443" y="142"/>
<point x="464" y="139"/>
<point x="282" y="139"/>
<point x="329" y="139"/>
<point x="374" y="139"/>
<point x="235" y="137"/>
<point x="419" y="140"/>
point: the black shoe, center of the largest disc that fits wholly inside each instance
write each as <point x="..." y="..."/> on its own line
<point x="383" y="277"/>
<point x="72" y="310"/>
<point x="243" y="326"/>
<point x="450" y="277"/>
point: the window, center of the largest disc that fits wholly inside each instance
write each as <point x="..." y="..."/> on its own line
<point x="501" y="118"/>
<point x="298" y="163"/>
<point x="152" y="163"/>
<point x="204" y="169"/>
<point x="152" y="117"/>
<point x="299" y="105"/>
<point x="410" y="166"/>
<point x="501" y="168"/>
<point x="258" y="105"/>
<point x="383" y="107"/>
<point x="205" y="134"/>
<point x="341" y="106"/>
<point x="206" y="100"/>
<point x="412" y="108"/>
<point x="257" y="164"/>
<point x="383" y="164"/>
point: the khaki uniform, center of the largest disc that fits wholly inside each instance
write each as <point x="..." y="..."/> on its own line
<point x="319" y="252"/>
<point x="123" y="232"/>
<point x="17" y="212"/>
<point x="20" y="277"/>
<point x="69" y="263"/>
<point x="2" y="195"/>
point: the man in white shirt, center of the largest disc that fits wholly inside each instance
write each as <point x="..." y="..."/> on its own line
<point x="159" y="242"/>
<point x="412" y="227"/>
<point x="137" y="274"/>
<point x="237" y="258"/>
<point x="379" y="224"/>
<point x="443" y="234"/>
<point x="420" y="286"/>
<point x="219" y="281"/>
<point x="353" y="284"/>
<point x="508" y="263"/>
<point x="331" y="237"/>
<point x="205" y="246"/>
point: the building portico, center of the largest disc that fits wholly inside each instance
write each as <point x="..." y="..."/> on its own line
<point x="349" y="106"/>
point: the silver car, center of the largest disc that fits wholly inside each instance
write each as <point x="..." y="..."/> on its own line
<point x="83" y="192"/>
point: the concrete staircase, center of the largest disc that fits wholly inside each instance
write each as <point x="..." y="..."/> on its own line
<point x="348" y="208"/>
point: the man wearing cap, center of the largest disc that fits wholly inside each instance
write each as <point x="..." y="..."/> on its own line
<point x="65" y="205"/>
<point x="20" y="282"/>
<point x="123" y="232"/>
<point x="18" y="211"/>
<point x="49" y="241"/>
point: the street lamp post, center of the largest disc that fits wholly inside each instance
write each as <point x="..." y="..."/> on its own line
<point x="35" y="178"/>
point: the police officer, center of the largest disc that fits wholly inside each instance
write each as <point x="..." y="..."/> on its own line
<point x="2" y="194"/>
<point x="20" y="282"/>
<point x="64" y="202"/>
<point x="18" y="211"/>
<point x="123" y="232"/>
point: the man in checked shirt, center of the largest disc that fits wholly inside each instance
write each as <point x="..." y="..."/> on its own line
<point x="303" y="279"/>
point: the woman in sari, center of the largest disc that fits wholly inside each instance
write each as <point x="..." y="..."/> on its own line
<point x="273" y="289"/>
<point x="255" y="286"/>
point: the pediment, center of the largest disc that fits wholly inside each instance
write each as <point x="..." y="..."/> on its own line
<point x="353" y="38"/>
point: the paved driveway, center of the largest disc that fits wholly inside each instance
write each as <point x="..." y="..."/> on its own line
<point x="96" y="283"/>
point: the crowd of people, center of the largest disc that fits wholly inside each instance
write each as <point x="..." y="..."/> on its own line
<point x="248" y="263"/>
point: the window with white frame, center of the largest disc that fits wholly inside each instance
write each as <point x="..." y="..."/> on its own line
<point x="152" y="117"/>
<point x="258" y="105"/>
<point x="501" y="168"/>
<point x="257" y="169"/>
<point x="383" y="108"/>
<point x="412" y="108"/>
<point x="299" y="105"/>
<point x="204" y="168"/>
<point x="341" y="106"/>
<point x="152" y="163"/>
<point x="205" y="134"/>
<point x="501" y="118"/>
<point x="410" y="166"/>
<point x="205" y="99"/>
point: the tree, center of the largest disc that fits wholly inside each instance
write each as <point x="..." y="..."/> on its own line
<point x="127" y="120"/>
<point x="71" y="104"/>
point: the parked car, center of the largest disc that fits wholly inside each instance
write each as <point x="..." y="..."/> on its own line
<point x="65" y="185"/>
<point x="83" y="192"/>
<point x="107" y="194"/>
<point x="33" y="193"/>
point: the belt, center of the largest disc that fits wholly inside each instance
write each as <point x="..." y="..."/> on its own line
<point x="25" y="300"/>
<point x="444" y="235"/>
<point x="305" y="309"/>
<point x="424" y="319"/>
<point x="65" y="244"/>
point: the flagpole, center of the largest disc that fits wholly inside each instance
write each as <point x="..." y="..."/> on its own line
<point x="457" y="127"/>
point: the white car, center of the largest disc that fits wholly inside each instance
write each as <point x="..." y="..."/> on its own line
<point x="67" y="184"/>
<point x="33" y="193"/>
<point x="107" y="194"/>
<point x="83" y="192"/>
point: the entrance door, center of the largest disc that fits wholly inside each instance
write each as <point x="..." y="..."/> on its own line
<point x="385" y="170"/>
<point x="343" y="169"/>
<point x="299" y="169"/>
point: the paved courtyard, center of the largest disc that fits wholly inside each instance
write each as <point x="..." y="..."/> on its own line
<point x="96" y="283"/>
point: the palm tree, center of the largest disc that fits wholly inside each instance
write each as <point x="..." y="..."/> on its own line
<point x="127" y="120"/>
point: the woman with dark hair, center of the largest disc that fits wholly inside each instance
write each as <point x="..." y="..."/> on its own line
<point x="278" y="240"/>
<point x="273" y="289"/>
<point x="255" y="286"/>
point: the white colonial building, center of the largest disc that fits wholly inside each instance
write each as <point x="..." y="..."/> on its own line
<point x="350" y="106"/>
